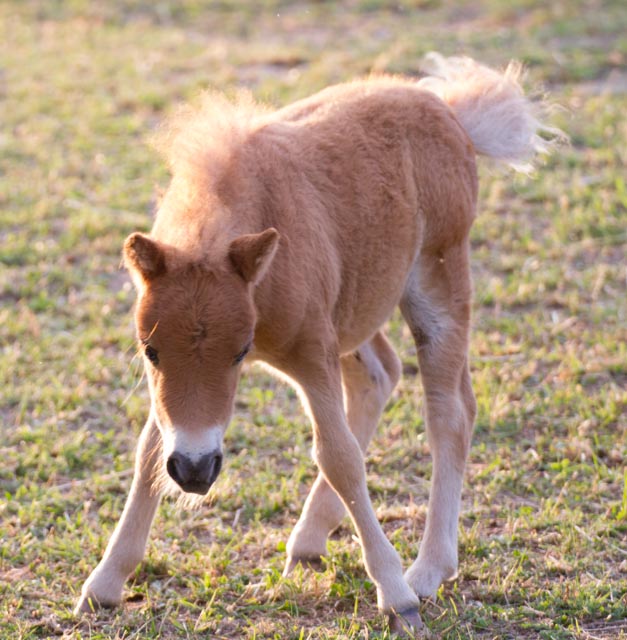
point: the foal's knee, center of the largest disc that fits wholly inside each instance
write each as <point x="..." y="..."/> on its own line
<point x="340" y="459"/>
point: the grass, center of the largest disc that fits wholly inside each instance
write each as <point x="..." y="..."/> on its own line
<point x="544" y="536"/>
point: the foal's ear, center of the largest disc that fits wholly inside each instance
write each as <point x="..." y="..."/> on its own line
<point x="252" y="254"/>
<point x="143" y="257"/>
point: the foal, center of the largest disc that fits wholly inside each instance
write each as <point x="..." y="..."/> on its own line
<point x="289" y="237"/>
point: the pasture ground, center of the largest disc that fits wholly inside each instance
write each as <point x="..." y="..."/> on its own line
<point x="544" y="525"/>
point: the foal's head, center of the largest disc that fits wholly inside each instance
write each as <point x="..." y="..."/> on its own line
<point x="195" y="325"/>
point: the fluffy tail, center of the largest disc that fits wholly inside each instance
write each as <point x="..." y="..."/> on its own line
<point x="501" y="121"/>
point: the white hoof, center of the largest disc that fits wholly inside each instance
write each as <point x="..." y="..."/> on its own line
<point x="88" y="603"/>
<point x="101" y="590"/>
<point x="407" y="624"/>
<point x="315" y="563"/>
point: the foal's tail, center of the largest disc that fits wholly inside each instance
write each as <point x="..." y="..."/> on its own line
<point x="501" y="121"/>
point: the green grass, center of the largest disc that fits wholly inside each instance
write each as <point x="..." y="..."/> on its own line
<point x="544" y="536"/>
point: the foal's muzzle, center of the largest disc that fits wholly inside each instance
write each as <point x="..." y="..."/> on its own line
<point x="194" y="477"/>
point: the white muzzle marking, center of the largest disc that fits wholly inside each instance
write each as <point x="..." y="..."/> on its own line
<point x="193" y="445"/>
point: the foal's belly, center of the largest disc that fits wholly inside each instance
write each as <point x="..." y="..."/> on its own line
<point x="359" y="330"/>
<point x="371" y="290"/>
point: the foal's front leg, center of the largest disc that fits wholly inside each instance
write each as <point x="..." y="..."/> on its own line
<point x="369" y="376"/>
<point x="337" y="453"/>
<point x="128" y="542"/>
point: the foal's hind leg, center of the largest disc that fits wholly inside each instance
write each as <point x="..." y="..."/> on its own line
<point x="368" y="377"/>
<point x="436" y="305"/>
<point x="128" y="542"/>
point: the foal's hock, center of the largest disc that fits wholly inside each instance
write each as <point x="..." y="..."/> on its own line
<point x="290" y="237"/>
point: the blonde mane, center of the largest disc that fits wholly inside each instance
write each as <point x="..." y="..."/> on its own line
<point x="200" y="142"/>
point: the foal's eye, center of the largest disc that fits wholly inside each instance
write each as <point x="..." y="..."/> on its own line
<point x="152" y="354"/>
<point x="242" y="354"/>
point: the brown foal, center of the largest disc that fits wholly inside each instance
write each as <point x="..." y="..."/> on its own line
<point x="290" y="237"/>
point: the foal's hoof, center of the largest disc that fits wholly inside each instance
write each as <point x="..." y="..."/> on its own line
<point x="407" y="623"/>
<point x="315" y="563"/>
<point x="89" y="604"/>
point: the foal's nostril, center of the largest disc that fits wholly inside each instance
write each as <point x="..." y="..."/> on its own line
<point x="213" y="466"/>
<point x="180" y="468"/>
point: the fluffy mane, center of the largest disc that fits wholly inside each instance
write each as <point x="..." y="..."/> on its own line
<point x="199" y="142"/>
